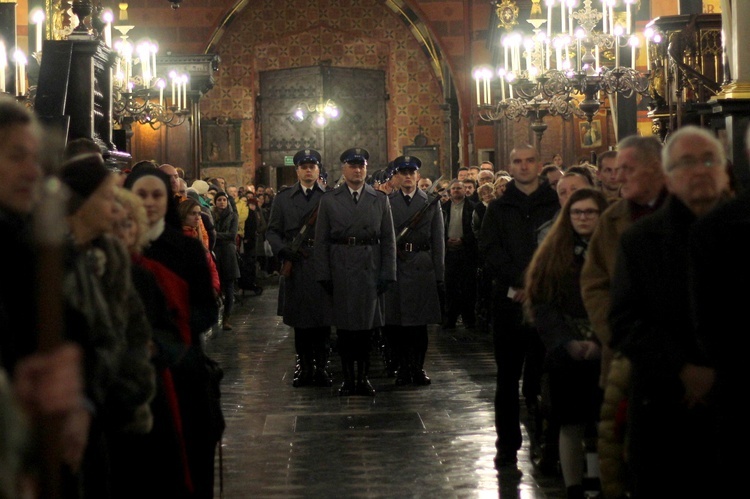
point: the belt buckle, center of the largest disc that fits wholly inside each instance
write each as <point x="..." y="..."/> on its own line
<point x="351" y="241"/>
<point x="409" y="247"/>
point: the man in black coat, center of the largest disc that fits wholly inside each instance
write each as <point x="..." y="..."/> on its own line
<point x="670" y="443"/>
<point x="718" y="260"/>
<point x="508" y="241"/>
<point x="460" y="258"/>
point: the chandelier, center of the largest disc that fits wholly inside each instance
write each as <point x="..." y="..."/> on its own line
<point x="321" y="113"/>
<point x="138" y="92"/>
<point x="561" y="72"/>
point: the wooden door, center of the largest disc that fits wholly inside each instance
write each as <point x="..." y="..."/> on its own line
<point x="360" y="96"/>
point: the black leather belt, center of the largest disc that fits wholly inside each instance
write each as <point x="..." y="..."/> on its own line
<point x="357" y="241"/>
<point x="413" y="248"/>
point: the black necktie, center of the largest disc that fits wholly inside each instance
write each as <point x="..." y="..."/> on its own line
<point x="407" y="198"/>
<point x="308" y="193"/>
<point x="354" y="195"/>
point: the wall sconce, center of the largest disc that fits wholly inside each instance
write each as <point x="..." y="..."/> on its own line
<point x="321" y="113"/>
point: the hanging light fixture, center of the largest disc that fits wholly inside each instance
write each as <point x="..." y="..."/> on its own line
<point x="139" y="93"/>
<point x="320" y="114"/>
<point x="561" y="72"/>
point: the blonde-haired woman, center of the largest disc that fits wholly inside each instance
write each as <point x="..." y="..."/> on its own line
<point x="159" y="457"/>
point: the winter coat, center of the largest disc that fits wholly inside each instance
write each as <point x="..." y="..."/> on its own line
<point x="226" y="247"/>
<point x="303" y="302"/>
<point x="355" y="270"/>
<point x="596" y="276"/>
<point x="508" y="235"/>
<point x="413" y="300"/>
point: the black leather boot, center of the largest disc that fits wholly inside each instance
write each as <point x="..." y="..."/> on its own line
<point x="321" y="376"/>
<point x="363" y="384"/>
<point x="347" y="368"/>
<point x="306" y="372"/>
<point x="403" y="375"/>
<point x="419" y="377"/>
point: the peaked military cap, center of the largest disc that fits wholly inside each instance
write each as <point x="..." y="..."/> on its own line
<point x="407" y="162"/>
<point x="355" y="155"/>
<point x="377" y="178"/>
<point x="307" y="156"/>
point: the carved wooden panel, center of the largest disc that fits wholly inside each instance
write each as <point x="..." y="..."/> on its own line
<point x="359" y="94"/>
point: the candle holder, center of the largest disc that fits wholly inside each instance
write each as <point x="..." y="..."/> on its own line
<point x="82" y="10"/>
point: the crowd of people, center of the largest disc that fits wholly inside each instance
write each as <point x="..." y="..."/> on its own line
<point x="600" y="284"/>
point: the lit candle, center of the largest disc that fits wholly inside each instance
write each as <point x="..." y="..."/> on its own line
<point x="562" y="16"/>
<point x="570" y="17"/>
<point x="550" y="3"/>
<point x="154" y="50"/>
<point x="487" y="96"/>
<point x="3" y="65"/>
<point x="476" y="78"/>
<point x="605" y="24"/>
<point x="579" y="54"/>
<point x="611" y="18"/>
<point x="634" y="42"/>
<point x="501" y="74"/>
<point x="184" y="91"/>
<point x="505" y="45"/>
<point x="161" y="84"/>
<point x="108" y="17"/>
<point x="548" y="54"/>
<point x="179" y="95"/>
<point x="144" y="55"/>
<point x="558" y="56"/>
<point x="628" y="16"/>
<point x="20" y="59"/>
<point x="37" y="17"/>
<point x="648" y="55"/>
<point x="173" y="77"/>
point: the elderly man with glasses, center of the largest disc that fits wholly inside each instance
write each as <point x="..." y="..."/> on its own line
<point x="670" y="440"/>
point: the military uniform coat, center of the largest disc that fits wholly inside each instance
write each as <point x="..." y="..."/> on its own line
<point x="414" y="300"/>
<point x="302" y="301"/>
<point x="355" y="269"/>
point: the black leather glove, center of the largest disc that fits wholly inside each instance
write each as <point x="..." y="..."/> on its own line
<point x="327" y="286"/>
<point x="286" y="253"/>
<point x="383" y="286"/>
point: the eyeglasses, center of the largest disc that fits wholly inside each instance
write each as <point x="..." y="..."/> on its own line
<point x="587" y="213"/>
<point x="691" y="162"/>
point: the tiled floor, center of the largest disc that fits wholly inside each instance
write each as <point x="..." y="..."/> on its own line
<point x="427" y="442"/>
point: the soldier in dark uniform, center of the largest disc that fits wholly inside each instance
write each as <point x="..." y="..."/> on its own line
<point x="355" y="261"/>
<point x="413" y="302"/>
<point x="302" y="302"/>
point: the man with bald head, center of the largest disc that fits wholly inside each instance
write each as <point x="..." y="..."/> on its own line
<point x="507" y="243"/>
<point x="174" y="176"/>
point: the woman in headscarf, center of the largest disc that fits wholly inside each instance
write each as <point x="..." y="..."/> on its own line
<point x="203" y="422"/>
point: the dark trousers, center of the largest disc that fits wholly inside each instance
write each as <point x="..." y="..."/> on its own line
<point x="408" y="345"/>
<point x="460" y="287"/>
<point x="313" y="343"/>
<point x="518" y="350"/>
<point x="354" y="345"/>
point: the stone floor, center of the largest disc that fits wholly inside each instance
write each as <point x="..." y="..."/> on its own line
<point x="427" y="442"/>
